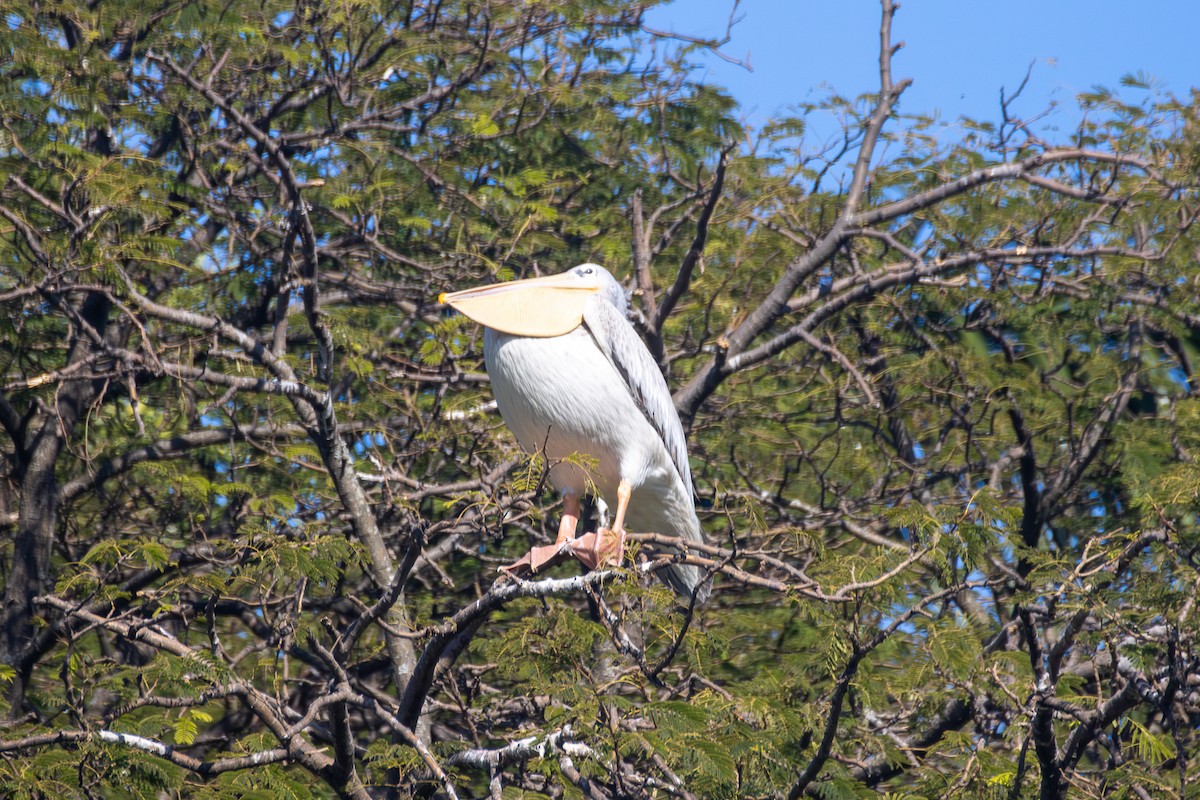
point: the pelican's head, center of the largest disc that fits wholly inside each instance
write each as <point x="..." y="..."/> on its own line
<point x="609" y="288"/>
<point x="551" y="305"/>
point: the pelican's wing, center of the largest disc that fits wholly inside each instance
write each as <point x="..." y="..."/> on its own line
<point x="625" y="350"/>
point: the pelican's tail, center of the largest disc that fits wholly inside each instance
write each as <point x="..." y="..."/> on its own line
<point x="686" y="580"/>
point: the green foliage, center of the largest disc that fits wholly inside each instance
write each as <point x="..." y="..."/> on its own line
<point x="951" y="478"/>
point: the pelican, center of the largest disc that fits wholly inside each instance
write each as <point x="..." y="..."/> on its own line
<point x="573" y="380"/>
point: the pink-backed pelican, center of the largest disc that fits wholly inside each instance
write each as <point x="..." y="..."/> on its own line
<point x="573" y="380"/>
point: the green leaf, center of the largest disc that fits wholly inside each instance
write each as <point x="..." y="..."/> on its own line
<point x="185" y="729"/>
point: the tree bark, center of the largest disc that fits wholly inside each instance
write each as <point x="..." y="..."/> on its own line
<point x="29" y="572"/>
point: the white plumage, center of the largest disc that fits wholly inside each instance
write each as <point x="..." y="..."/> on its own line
<point x="593" y="400"/>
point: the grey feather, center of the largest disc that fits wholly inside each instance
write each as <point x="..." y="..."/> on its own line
<point x="620" y="344"/>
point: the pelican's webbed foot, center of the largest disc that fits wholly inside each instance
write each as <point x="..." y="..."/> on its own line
<point x="604" y="548"/>
<point x="538" y="559"/>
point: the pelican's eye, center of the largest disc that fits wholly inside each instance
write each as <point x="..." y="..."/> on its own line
<point x="586" y="271"/>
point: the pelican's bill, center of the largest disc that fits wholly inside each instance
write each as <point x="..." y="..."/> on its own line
<point x="537" y="307"/>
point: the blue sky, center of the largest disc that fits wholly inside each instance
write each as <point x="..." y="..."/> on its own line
<point x="958" y="52"/>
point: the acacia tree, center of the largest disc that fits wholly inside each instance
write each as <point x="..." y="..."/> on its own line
<point x="941" y="397"/>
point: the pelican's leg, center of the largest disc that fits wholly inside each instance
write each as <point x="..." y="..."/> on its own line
<point x="624" y="492"/>
<point x="570" y="518"/>
<point x="611" y="544"/>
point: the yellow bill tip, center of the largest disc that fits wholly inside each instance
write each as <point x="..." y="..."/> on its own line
<point x="442" y="297"/>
